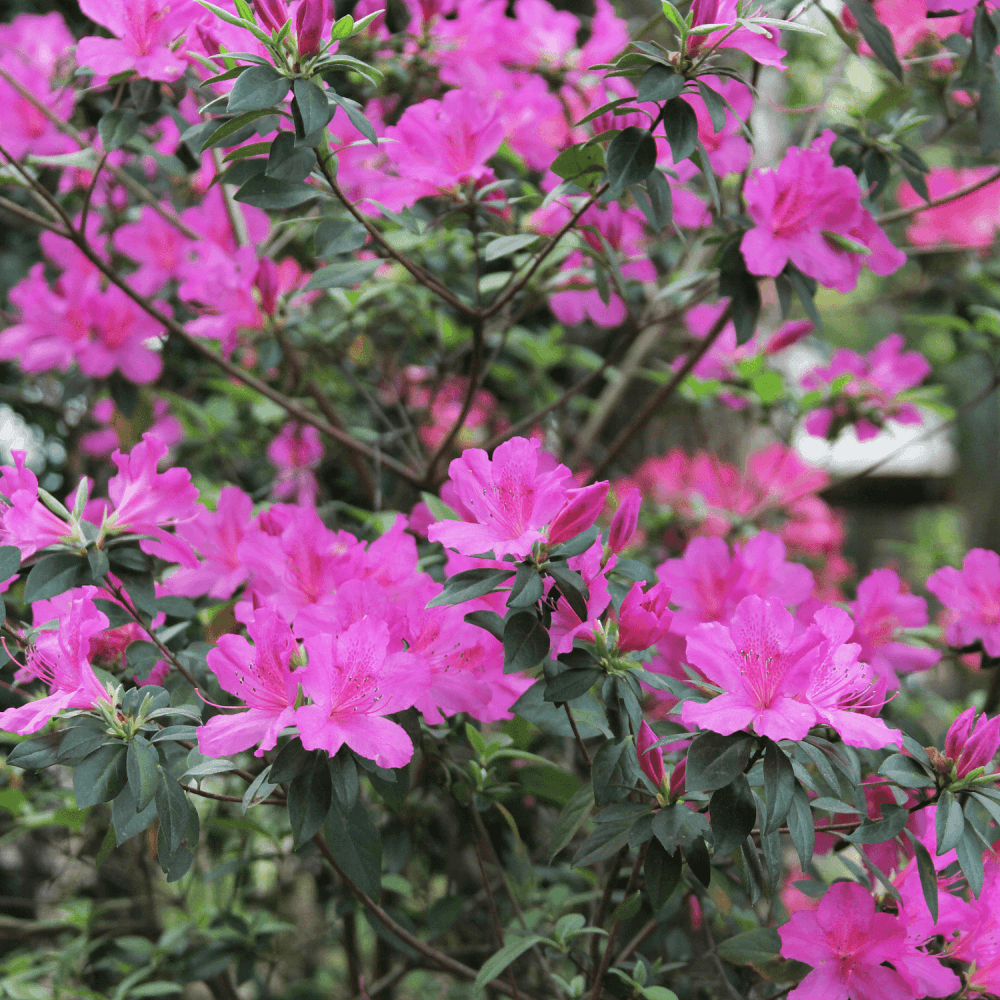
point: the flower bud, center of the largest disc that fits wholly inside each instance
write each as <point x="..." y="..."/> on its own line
<point x="579" y="512"/>
<point x="643" y="618"/>
<point x="650" y="760"/>
<point x="272" y="14"/>
<point x="972" y="745"/>
<point x="625" y="521"/>
<point x="677" y="780"/>
<point x="266" y="282"/>
<point x="787" y="334"/>
<point x="309" y="27"/>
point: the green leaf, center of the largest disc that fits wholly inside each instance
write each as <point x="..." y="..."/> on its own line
<point x="335" y="236"/>
<point x="768" y="386"/>
<point x="506" y="245"/>
<point x="576" y="161"/>
<point x="313" y="107"/>
<point x="525" y="643"/>
<point x="143" y="772"/>
<point x="356" y="846"/>
<point x="714" y="760"/>
<point x="714" y="104"/>
<point x="699" y="861"/>
<point x="877" y="35"/>
<point x="631" y="157"/>
<point x="733" y="812"/>
<point x="53" y="575"/>
<point x="681" y="126"/>
<point x="353" y="111"/>
<point x="101" y="775"/>
<point x="343" y="275"/>
<point x="988" y="112"/>
<point x="607" y="839"/>
<point x="742" y="289"/>
<point x="37" y="753"/>
<point x="928" y="876"/>
<point x="488" y="620"/>
<point x="949" y="822"/>
<point x="470" y="584"/>
<point x="801" y="826"/>
<point x="527" y="588"/>
<point x="117" y="127"/>
<point x="969" y="851"/>
<point x="290" y="762"/>
<point x="571" y="819"/>
<point x="309" y="796"/>
<point x="232" y="126"/>
<point x="10" y="561"/>
<point x="288" y="162"/>
<point x="660" y="199"/>
<point x="906" y="772"/>
<point x="677" y="826"/>
<point x="779" y="786"/>
<point x="571" y="586"/>
<point x="606" y="761"/>
<point x="172" y="808"/>
<point x="663" y="873"/>
<point x="571" y="684"/>
<point x="659" y="83"/>
<point x="495" y="964"/>
<point x="262" y="191"/>
<point x="257" y="89"/>
<point x="891" y="825"/>
<point x="126" y="819"/>
<point x="751" y="948"/>
<point x="657" y="993"/>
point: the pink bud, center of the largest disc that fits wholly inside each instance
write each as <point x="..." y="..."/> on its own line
<point x="650" y="760"/>
<point x="677" y="779"/>
<point x="579" y="512"/>
<point x="309" y="27"/>
<point x="974" y="746"/>
<point x="959" y="733"/>
<point x="208" y="38"/>
<point x="272" y="13"/>
<point x="788" y="334"/>
<point x="694" y="910"/>
<point x="266" y="283"/>
<point x="643" y="618"/>
<point x="625" y="521"/>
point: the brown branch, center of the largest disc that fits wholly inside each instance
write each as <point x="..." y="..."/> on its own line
<point x="661" y="396"/>
<point x="439" y="958"/>
<point x="626" y="953"/>
<point x="326" y="407"/>
<point x="905" y="213"/>
<point x="194" y="790"/>
<point x="576" y="733"/>
<point x="32" y="217"/>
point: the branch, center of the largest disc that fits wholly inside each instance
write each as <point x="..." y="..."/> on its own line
<point x="661" y="396"/>
<point x="905" y="213"/>
<point x="194" y="790"/>
<point x="576" y="733"/>
<point x="32" y="217"/>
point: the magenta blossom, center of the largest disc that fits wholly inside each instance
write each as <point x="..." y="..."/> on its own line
<point x="809" y="212"/>
<point x="625" y="522"/>
<point x="566" y="623"/>
<point x="762" y="48"/>
<point x="61" y="659"/>
<point x="973" y="593"/>
<point x="643" y="618"/>
<point x="354" y="685"/>
<point x="309" y="22"/>
<point x="295" y="452"/>
<point x="870" y="397"/>
<point x="881" y="611"/>
<point x="505" y="502"/>
<point x="581" y="510"/>
<point x="972" y="744"/>
<point x="27" y="522"/>
<point x="650" y="759"/>
<point x="847" y="943"/>
<point x="143" y="30"/>
<point x="260" y="676"/>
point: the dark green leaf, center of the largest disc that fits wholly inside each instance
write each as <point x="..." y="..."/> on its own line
<point x="470" y="584"/>
<point x="891" y="825"/>
<point x="356" y="846"/>
<point x="877" y="35"/>
<point x="576" y="161"/>
<point x="313" y="108"/>
<point x="344" y="779"/>
<point x="262" y="191"/>
<point x="525" y="643"/>
<point x="117" y="127"/>
<point x="488" y="620"/>
<point x="631" y="157"/>
<point x="571" y="586"/>
<point x="801" y="826"/>
<point x="343" y="275"/>
<point x="495" y="964"/>
<point x="335" y="236"/>
<point x="290" y="762"/>
<point x="257" y="89"/>
<point x="733" y="811"/>
<point x="37" y="753"/>
<point x="233" y="129"/>
<point x="928" y="876"/>
<point x="356" y="116"/>
<point x="681" y="125"/>
<point x="741" y="287"/>
<point x="659" y="83"/>
<point x="677" y="826"/>
<point x="526" y="589"/>
<point x="699" y="861"/>
<point x="714" y="760"/>
<point x="606" y="762"/>
<point x="126" y="819"/>
<point x="53" y="575"/>
<point x="97" y="559"/>
<point x="606" y="840"/>
<point x="571" y="684"/>
<point x="100" y="776"/>
<point x="948" y="822"/>
<point x="969" y="851"/>
<point x="714" y="104"/>
<point x="660" y="199"/>
<point x="10" y="561"/>
<point x="905" y="771"/>
<point x="172" y="808"/>
<point x="663" y="874"/>
<point x="779" y="786"/>
<point x="577" y="545"/>
<point x="571" y="819"/>
<point x="751" y="947"/>
<point x="309" y="796"/>
<point x="805" y="293"/>
<point x="988" y="113"/>
<point x="143" y="772"/>
<point x="80" y="741"/>
<point x="288" y="162"/>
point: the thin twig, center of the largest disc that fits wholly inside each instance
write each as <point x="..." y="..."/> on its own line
<point x="194" y="790"/>
<point x="905" y="213"/>
<point x="629" y="950"/>
<point x="576" y="733"/>
<point x="32" y="217"/>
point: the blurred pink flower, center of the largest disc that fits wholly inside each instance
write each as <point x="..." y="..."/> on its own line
<point x="973" y="592"/>
<point x="295" y="452"/>
<point x="970" y="221"/>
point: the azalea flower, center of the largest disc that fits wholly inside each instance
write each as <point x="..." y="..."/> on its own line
<point x="972" y="743"/>
<point x="295" y="452"/>
<point x="973" y="593"/>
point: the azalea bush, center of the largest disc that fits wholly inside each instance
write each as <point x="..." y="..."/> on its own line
<point x="413" y="580"/>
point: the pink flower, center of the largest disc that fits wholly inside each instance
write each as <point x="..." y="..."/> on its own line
<point x="309" y="22"/>
<point x="566" y="623"/>
<point x="650" y="760"/>
<point x="728" y="150"/>
<point x="272" y="13"/>
<point x="795" y="206"/>
<point x="847" y="942"/>
<point x="31" y="48"/>
<point x="974" y="594"/>
<point x="505" y="502"/>
<point x="61" y="659"/>
<point x="582" y="508"/>
<point x="762" y="48"/>
<point x="971" y="221"/>
<point x="259" y="675"/>
<point x="143" y="30"/>
<point x="295" y="452"/>
<point x="643" y="618"/>
<point x="354" y="685"/>
<point x="870" y="397"/>
<point x="760" y="668"/>
<point x="446" y="143"/>
<point x="881" y="611"/>
<point x="972" y="744"/>
<point x="27" y="522"/>
<point x="625" y="522"/>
